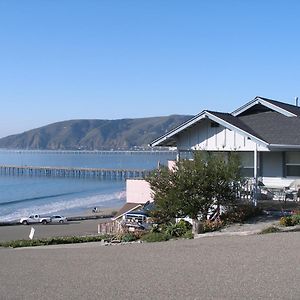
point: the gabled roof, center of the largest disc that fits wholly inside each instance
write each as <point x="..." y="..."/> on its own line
<point x="269" y="104"/>
<point x="225" y="119"/>
<point x="264" y="120"/>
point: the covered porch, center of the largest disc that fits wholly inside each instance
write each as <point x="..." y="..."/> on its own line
<point x="268" y="174"/>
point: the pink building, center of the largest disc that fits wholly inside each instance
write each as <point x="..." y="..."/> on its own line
<point x="138" y="193"/>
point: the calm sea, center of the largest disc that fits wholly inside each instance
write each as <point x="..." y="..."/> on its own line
<point x="25" y="195"/>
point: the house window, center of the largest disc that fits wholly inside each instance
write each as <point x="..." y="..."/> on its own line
<point x="247" y="164"/>
<point x="292" y="163"/>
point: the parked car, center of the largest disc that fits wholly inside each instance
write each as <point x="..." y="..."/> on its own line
<point x="33" y="219"/>
<point x="58" y="219"/>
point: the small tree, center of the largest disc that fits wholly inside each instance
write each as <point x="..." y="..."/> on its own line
<point x="195" y="186"/>
<point x="166" y="200"/>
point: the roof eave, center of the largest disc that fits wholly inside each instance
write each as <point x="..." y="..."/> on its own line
<point x="121" y="215"/>
<point x="283" y="146"/>
<point x="245" y="107"/>
<point x="176" y="130"/>
<point x="264" y="102"/>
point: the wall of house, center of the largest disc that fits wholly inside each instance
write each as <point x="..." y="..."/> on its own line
<point x="206" y="135"/>
<point x="138" y="191"/>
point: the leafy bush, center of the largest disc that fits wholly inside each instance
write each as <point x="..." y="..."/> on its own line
<point x="209" y="226"/>
<point x="240" y="213"/>
<point x="290" y="220"/>
<point x="156" y="228"/>
<point x="270" y="229"/>
<point x="178" y="229"/>
<point x="155" y="237"/>
<point x="296" y="219"/>
<point x="286" y="221"/>
<point x="52" y="241"/>
<point x="129" y="237"/>
<point x="188" y="235"/>
<point x="185" y="224"/>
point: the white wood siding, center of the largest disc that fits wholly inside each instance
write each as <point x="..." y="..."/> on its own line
<point x="203" y="136"/>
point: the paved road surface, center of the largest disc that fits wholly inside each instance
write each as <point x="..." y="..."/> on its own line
<point x="248" y="267"/>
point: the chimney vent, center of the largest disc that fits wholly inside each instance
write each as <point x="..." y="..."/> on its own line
<point x="296" y="101"/>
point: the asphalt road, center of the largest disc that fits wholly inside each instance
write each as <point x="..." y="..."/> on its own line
<point x="248" y="267"/>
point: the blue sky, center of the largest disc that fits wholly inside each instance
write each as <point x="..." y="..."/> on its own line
<point x="62" y="60"/>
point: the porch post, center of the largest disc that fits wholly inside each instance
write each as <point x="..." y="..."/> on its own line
<point x="255" y="176"/>
<point x="178" y="155"/>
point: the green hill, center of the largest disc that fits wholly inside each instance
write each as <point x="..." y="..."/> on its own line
<point x="121" y="134"/>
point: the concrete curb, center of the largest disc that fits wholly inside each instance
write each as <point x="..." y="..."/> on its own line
<point x="248" y="232"/>
<point x="232" y="233"/>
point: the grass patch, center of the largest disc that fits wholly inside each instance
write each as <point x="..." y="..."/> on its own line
<point x="271" y="229"/>
<point x="52" y="241"/>
<point x="155" y="237"/>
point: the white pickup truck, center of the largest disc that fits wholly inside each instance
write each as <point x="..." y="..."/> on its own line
<point x="35" y="219"/>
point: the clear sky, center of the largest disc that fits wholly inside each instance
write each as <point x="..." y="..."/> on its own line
<point x="76" y="59"/>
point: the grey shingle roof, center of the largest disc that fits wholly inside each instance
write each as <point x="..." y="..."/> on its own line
<point x="235" y="121"/>
<point x="259" y="120"/>
<point x="274" y="127"/>
<point x="289" y="107"/>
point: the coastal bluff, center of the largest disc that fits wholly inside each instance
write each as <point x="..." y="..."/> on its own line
<point x="122" y="134"/>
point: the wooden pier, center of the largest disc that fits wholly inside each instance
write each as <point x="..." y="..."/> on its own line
<point x="74" y="172"/>
<point x="94" y="152"/>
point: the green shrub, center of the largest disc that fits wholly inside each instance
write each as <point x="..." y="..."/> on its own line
<point x="286" y="221"/>
<point x="177" y="229"/>
<point x="156" y="228"/>
<point x="185" y="224"/>
<point x="188" y="235"/>
<point x="209" y="226"/>
<point x="128" y="237"/>
<point x="155" y="237"/>
<point x="290" y="220"/>
<point x="270" y="229"/>
<point x="296" y="219"/>
<point x="240" y="213"/>
<point x="52" y="241"/>
<point x="173" y="230"/>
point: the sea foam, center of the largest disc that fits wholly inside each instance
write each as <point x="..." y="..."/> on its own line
<point x="79" y="204"/>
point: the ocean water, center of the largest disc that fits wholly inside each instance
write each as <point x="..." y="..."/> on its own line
<point x="24" y="195"/>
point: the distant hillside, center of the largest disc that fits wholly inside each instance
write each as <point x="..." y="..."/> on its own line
<point x="94" y="134"/>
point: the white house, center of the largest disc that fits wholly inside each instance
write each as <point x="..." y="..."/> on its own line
<point x="265" y="133"/>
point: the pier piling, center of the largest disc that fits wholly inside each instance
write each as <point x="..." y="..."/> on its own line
<point x="73" y="172"/>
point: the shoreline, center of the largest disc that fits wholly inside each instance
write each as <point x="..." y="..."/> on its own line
<point x="84" y="224"/>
